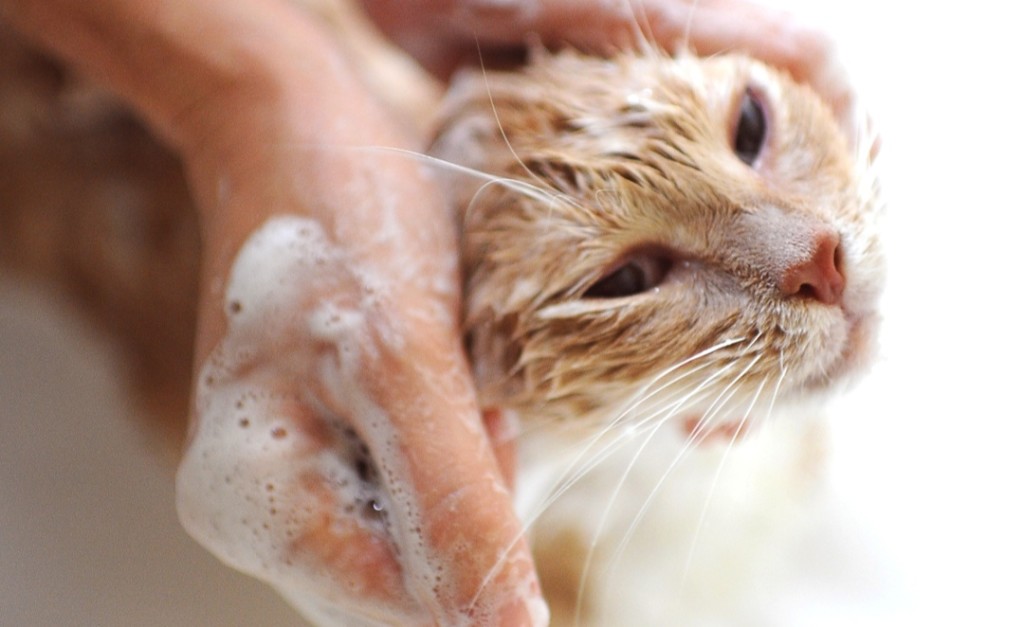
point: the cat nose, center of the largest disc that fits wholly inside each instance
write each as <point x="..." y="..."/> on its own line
<point x="817" y="276"/>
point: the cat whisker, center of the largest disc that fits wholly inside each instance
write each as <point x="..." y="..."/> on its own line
<point x="716" y="405"/>
<point x="552" y="194"/>
<point x="534" y="192"/>
<point x="645" y="391"/>
<point x="670" y="405"/>
<point x="714" y="480"/>
<point x="658" y="416"/>
<point x="698" y="435"/>
<point x="575" y="471"/>
<point x="638" y="518"/>
<point x="570" y="477"/>
<point x="673" y="406"/>
<point x="564" y="483"/>
<point x="541" y="183"/>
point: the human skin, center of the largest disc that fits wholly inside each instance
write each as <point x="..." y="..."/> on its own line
<point x="260" y="105"/>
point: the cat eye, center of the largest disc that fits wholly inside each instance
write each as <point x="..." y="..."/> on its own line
<point x="751" y="129"/>
<point x="638" y="274"/>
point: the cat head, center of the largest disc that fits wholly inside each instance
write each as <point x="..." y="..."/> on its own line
<point x="697" y="229"/>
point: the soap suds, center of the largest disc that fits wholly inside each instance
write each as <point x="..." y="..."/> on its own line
<point x="295" y="473"/>
<point x="273" y="426"/>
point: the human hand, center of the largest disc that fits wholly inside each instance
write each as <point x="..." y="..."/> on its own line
<point x="443" y="34"/>
<point x="263" y="107"/>
<point x="359" y="334"/>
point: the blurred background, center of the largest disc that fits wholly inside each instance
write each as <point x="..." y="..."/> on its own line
<point x="929" y="449"/>
<point x="88" y="531"/>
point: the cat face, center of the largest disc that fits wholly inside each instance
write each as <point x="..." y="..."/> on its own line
<point x="699" y="229"/>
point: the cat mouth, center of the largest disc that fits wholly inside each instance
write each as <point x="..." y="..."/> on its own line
<point x="858" y="350"/>
<point x="696" y="428"/>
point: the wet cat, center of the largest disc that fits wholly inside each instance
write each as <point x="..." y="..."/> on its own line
<point x="673" y="250"/>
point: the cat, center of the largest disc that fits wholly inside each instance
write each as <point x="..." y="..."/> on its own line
<point x="667" y="250"/>
<point x="673" y="250"/>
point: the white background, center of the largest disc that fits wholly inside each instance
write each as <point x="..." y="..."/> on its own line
<point x="929" y="456"/>
<point x="929" y="448"/>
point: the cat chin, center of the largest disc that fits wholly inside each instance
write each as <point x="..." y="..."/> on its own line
<point x="846" y="347"/>
<point x="859" y="352"/>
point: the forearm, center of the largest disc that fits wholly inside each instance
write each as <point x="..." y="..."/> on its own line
<point x="174" y="62"/>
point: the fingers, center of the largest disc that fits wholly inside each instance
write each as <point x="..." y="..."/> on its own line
<point x="442" y="33"/>
<point x="478" y="565"/>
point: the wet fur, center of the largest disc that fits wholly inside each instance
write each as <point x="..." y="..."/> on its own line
<point x="614" y="175"/>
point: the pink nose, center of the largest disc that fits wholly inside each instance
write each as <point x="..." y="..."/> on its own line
<point x="818" y="276"/>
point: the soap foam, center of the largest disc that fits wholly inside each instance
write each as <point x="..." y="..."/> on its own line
<point x="285" y="433"/>
<point x="263" y="429"/>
